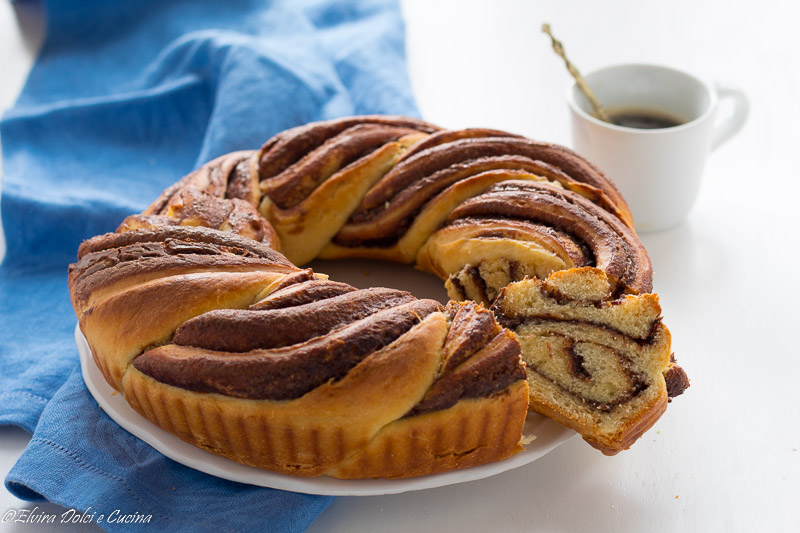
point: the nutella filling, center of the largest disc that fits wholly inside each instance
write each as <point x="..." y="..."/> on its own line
<point x="676" y="379"/>
<point x="615" y="248"/>
<point x="478" y="281"/>
<point x="301" y="294"/>
<point x="392" y="204"/>
<point x="637" y="382"/>
<point x="228" y="243"/>
<point x="296" y="182"/>
<point x="282" y="373"/>
<point x="492" y="369"/>
<point x="458" y="286"/>
<point x="388" y="222"/>
<point x="109" y="258"/>
<point x="471" y="327"/>
<point x="240" y="184"/>
<point x="242" y="330"/>
<point x="439" y="157"/>
<point x="513" y="323"/>
<point x="288" y="147"/>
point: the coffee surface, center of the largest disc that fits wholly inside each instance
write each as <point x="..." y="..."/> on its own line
<point x="646" y="119"/>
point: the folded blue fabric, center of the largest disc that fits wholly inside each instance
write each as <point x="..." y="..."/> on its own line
<point x="125" y="98"/>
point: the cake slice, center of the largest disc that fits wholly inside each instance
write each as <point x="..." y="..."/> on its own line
<point x="597" y="365"/>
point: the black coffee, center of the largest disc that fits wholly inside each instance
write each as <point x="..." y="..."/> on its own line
<point x="645" y="119"/>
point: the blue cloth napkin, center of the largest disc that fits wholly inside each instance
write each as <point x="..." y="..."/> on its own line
<point x="125" y="98"/>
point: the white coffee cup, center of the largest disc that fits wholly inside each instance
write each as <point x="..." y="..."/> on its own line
<point x="658" y="171"/>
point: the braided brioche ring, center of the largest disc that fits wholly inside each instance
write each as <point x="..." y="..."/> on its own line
<point x="213" y="335"/>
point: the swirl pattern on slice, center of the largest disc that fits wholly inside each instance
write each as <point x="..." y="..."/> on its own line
<point x="592" y="363"/>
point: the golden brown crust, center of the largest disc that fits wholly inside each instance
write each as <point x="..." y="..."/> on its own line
<point x="390" y="222"/>
<point x="648" y="416"/>
<point x="222" y="194"/>
<point x="494" y="367"/>
<point x="471" y="433"/>
<point x="428" y="161"/>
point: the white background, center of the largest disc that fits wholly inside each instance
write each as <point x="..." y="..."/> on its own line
<point x="725" y="456"/>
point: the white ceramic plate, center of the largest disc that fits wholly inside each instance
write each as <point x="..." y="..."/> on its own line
<point x="548" y="435"/>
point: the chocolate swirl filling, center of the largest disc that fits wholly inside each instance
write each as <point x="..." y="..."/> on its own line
<point x="227" y="177"/>
<point x="448" y="157"/>
<point x="283" y="353"/>
<point x="288" y="147"/>
<point x="573" y="352"/>
<point x="240" y="330"/>
<point x="615" y="248"/>
<point x="106" y="259"/>
<point x="287" y="372"/>
<point x="480" y="359"/>
<point x="555" y="161"/>
<point x="294" y="184"/>
<point x="302" y="294"/>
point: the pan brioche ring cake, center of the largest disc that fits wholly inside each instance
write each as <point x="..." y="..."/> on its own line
<point x="196" y="311"/>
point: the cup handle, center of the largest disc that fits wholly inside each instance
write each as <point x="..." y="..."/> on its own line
<point x="733" y="122"/>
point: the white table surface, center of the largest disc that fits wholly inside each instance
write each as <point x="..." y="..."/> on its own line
<point x="725" y="455"/>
